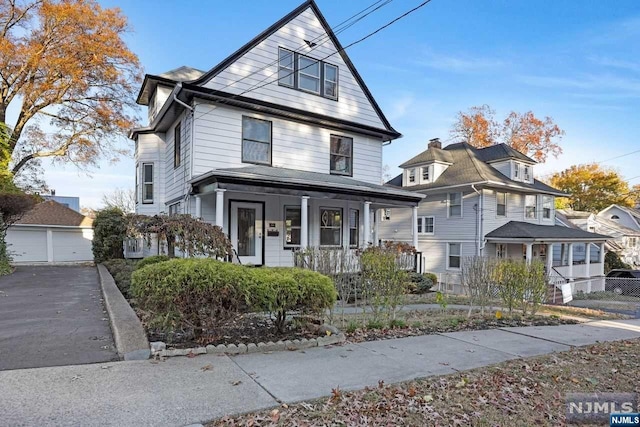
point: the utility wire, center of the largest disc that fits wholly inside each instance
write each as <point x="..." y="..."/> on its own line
<point x="618" y="157"/>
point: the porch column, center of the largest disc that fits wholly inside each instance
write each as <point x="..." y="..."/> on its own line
<point x="198" y="207"/>
<point x="529" y="253"/>
<point x="549" y="257"/>
<point x="415" y="227"/>
<point x="367" y="224"/>
<point x="602" y="254"/>
<point x="220" y="207"/>
<point x="304" y="222"/>
<point x="570" y="245"/>
<point x="587" y="258"/>
<point x="376" y="220"/>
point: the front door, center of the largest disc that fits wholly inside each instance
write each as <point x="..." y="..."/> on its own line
<point x="245" y="227"/>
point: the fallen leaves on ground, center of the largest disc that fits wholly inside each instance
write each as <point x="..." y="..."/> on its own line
<point x="517" y="392"/>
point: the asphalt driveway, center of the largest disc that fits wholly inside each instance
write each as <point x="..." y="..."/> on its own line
<point x="52" y="316"/>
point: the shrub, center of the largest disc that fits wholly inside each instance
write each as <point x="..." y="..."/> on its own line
<point x="375" y="324"/>
<point x="521" y="285"/>
<point x="397" y="324"/>
<point x="386" y="280"/>
<point x="352" y="327"/>
<point x="420" y="283"/>
<point x="612" y="261"/>
<point x="478" y="276"/>
<point x="109" y="232"/>
<point x="121" y="270"/>
<point x="152" y="260"/>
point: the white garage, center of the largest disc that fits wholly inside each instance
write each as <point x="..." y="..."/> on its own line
<point x="51" y="233"/>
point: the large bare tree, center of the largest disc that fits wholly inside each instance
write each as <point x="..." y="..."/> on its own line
<point x="121" y="198"/>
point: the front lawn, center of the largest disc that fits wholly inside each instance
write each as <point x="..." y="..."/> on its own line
<point x="514" y="393"/>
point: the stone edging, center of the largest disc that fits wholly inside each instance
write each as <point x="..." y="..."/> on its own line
<point x="159" y="348"/>
<point x="128" y="332"/>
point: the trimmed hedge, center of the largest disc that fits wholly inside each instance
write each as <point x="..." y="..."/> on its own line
<point x="121" y="270"/>
<point x="152" y="260"/>
<point x="191" y="293"/>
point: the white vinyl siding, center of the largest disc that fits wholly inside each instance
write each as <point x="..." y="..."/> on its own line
<point x="353" y="104"/>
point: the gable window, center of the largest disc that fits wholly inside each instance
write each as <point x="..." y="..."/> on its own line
<point x="256" y="140"/>
<point x="177" y="146"/>
<point x="454" y="255"/>
<point x="292" y="225"/>
<point x="530" y="206"/>
<point x="330" y="227"/>
<point x="341" y="155"/>
<point x="547" y="206"/>
<point x="330" y="81"/>
<point x="425" y="173"/>
<point x="354" y="228"/>
<point x="309" y="74"/>
<point x="455" y="205"/>
<point x="147" y="183"/>
<point x="286" y="69"/>
<point x="412" y="175"/>
<point x="426" y="224"/>
<point x="501" y="204"/>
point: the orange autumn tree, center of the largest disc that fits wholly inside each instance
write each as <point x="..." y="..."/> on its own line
<point x="592" y="188"/>
<point x="526" y="133"/>
<point x="66" y="67"/>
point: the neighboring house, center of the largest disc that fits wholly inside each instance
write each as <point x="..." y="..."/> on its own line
<point x="486" y="202"/>
<point x="68" y="201"/>
<point x="629" y="217"/>
<point x="624" y="241"/>
<point x="51" y="233"/>
<point x="280" y="144"/>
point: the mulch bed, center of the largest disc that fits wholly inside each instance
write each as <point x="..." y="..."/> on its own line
<point x="475" y="323"/>
<point x="246" y="328"/>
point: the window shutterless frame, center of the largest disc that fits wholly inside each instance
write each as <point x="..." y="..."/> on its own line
<point x="330" y="81"/>
<point x="335" y="155"/>
<point x="289" y="75"/>
<point x="454" y="256"/>
<point x="354" y="228"/>
<point x="290" y="227"/>
<point x="286" y="68"/>
<point x="454" y="205"/>
<point x="137" y="183"/>
<point x="501" y="203"/>
<point x="177" y="146"/>
<point x="147" y="183"/>
<point x="328" y="223"/>
<point x="246" y="138"/>
<point x="309" y="72"/>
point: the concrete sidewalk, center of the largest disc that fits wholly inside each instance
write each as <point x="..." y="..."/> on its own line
<point x="181" y="391"/>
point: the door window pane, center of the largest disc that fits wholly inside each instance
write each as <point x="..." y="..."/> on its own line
<point x="246" y="232"/>
<point x="330" y="227"/>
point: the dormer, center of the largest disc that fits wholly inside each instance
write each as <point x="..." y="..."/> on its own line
<point x="510" y="162"/>
<point x="426" y="167"/>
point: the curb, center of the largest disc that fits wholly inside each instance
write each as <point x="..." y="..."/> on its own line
<point x="158" y="348"/>
<point x="128" y="333"/>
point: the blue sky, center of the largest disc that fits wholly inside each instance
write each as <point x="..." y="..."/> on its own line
<point x="576" y="61"/>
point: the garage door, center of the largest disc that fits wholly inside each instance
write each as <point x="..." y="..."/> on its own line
<point x="27" y="245"/>
<point x="72" y="245"/>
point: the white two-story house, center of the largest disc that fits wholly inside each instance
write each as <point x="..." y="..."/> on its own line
<point x="280" y="144"/>
<point x="486" y="202"/>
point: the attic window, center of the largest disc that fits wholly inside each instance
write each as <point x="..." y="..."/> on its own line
<point x="307" y="74"/>
<point x="615" y="217"/>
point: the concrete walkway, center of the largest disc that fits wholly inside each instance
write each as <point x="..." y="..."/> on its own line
<point x="52" y="316"/>
<point x="182" y="391"/>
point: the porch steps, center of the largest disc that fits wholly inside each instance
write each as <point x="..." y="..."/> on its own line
<point x="554" y="294"/>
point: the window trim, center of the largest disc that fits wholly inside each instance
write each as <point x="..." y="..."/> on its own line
<point x="426" y="169"/>
<point x="325" y="80"/>
<point x="296" y="75"/>
<point x="331" y="208"/>
<point x="449" y="204"/>
<point x="301" y="71"/>
<point x="411" y="175"/>
<point x="284" y="224"/>
<point x="350" y="157"/>
<point x="550" y="199"/>
<point x="448" y="266"/>
<point x="356" y="228"/>
<point x="138" y="192"/>
<point x="526" y="174"/>
<point x="535" y="206"/>
<point x="505" y="204"/>
<point x="292" y="70"/>
<point x="269" y="163"/>
<point x="177" y="146"/>
<point x="422" y="225"/>
<point x="145" y="183"/>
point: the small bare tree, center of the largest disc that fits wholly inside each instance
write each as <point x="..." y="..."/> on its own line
<point x="478" y="278"/>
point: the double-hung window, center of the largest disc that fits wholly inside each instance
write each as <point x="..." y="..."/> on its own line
<point x="354" y="228"/>
<point x="455" y="205"/>
<point x="527" y="172"/>
<point x="256" y="140"/>
<point x="412" y="175"/>
<point x="309" y="74"/>
<point x="454" y="255"/>
<point x="547" y="207"/>
<point x="425" y="173"/>
<point x="341" y="155"/>
<point x="147" y="183"/>
<point x="286" y="70"/>
<point x="330" y="227"/>
<point x="426" y="224"/>
<point x="174" y="209"/>
<point x="137" y="182"/>
<point x="292" y="226"/>
<point x="501" y="204"/>
<point x="330" y="81"/>
<point x="530" y="206"/>
<point x="177" y="146"/>
<point x="516" y="171"/>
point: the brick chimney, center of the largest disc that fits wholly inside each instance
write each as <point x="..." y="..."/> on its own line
<point x="435" y="143"/>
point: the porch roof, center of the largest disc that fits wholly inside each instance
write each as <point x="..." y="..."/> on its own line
<point x="524" y="231"/>
<point x="296" y="182"/>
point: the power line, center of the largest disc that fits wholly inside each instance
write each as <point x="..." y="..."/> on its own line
<point x="618" y="157"/>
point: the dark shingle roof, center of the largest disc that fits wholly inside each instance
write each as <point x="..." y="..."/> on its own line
<point x="469" y="168"/>
<point x="430" y="155"/>
<point x="502" y="152"/>
<point x="525" y="230"/>
<point x="53" y="213"/>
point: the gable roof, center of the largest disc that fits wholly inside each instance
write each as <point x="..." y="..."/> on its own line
<point x="53" y="213"/>
<point x="529" y="231"/>
<point x="633" y="213"/>
<point x="469" y="168"/>
<point x="498" y="152"/>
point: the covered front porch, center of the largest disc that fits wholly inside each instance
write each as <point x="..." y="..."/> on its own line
<point x="268" y="213"/>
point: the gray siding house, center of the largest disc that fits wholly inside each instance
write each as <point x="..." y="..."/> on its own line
<point x="486" y="202"/>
